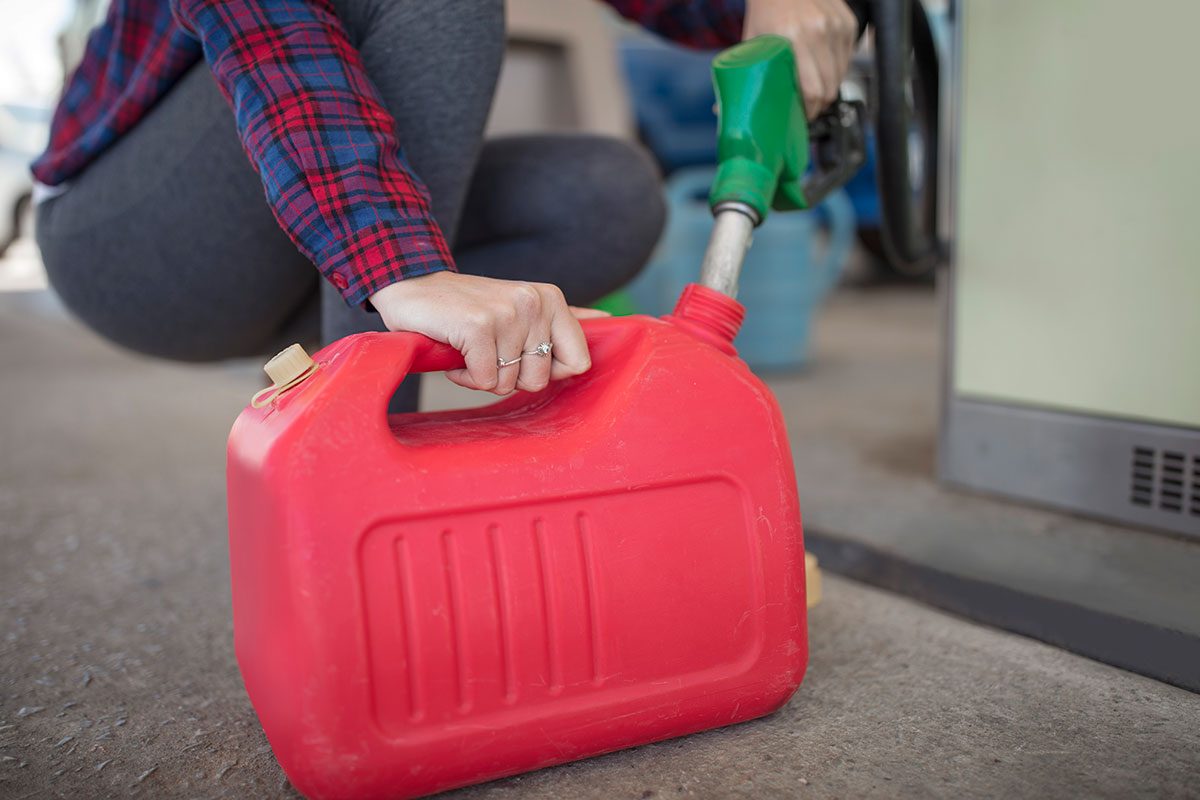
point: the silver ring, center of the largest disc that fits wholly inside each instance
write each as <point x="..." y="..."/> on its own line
<point x="542" y="349"/>
<point x="500" y="362"/>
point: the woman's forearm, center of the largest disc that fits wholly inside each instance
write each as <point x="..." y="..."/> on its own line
<point x="316" y="131"/>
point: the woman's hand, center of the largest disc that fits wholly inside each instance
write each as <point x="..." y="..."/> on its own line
<point x="486" y="319"/>
<point x="822" y="33"/>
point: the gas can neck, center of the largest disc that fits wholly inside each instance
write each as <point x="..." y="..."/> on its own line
<point x="709" y="315"/>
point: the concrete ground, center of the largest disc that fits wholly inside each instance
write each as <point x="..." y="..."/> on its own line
<point x="863" y="421"/>
<point x="117" y="675"/>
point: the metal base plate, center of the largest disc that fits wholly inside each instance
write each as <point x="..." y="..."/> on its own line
<point x="1132" y="472"/>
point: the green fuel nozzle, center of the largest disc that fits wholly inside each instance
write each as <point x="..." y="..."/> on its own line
<point x="762" y="133"/>
<point x="762" y="150"/>
<point x="763" y="139"/>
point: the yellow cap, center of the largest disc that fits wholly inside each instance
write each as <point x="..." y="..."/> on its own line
<point x="288" y="365"/>
<point x="812" y="575"/>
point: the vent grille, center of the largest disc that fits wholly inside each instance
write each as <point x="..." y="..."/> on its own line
<point x="1168" y="480"/>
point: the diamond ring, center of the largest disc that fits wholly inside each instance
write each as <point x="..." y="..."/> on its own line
<point x="542" y="349"/>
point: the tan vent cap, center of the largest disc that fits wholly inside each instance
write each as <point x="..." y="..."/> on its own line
<point x="285" y="370"/>
<point x="288" y="365"/>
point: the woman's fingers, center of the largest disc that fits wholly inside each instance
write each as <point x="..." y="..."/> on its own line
<point x="532" y="320"/>
<point x="849" y="35"/>
<point x="479" y="353"/>
<point x="830" y="73"/>
<point x="571" y="355"/>
<point x="588" y="313"/>
<point x="823" y="39"/>
<point x="811" y="82"/>
<point x="535" y="367"/>
<point x="461" y="377"/>
<point x="520" y="313"/>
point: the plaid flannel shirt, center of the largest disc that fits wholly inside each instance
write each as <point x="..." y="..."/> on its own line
<point x="309" y="118"/>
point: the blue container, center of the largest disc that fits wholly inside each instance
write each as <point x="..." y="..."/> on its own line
<point x="786" y="275"/>
<point x="862" y="189"/>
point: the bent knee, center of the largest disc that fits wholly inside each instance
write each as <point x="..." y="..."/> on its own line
<point x="627" y="205"/>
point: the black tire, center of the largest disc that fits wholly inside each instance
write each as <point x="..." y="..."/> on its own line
<point x="884" y="271"/>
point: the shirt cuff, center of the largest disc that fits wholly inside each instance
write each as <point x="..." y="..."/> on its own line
<point x="382" y="254"/>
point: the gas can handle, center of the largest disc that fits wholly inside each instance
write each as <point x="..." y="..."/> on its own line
<point x="411" y="353"/>
<point x="364" y="370"/>
<point x="370" y="366"/>
<point x="433" y="356"/>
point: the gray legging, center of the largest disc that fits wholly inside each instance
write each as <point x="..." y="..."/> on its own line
<point x="165" y="243"/>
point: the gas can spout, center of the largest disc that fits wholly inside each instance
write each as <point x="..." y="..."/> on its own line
<point x="709" y="309"/>
<point x="709" y="315"/>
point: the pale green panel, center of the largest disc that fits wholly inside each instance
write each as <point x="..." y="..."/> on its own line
<point x="1078" y="227"/>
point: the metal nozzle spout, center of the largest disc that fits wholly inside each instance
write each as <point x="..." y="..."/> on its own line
<point x="733" y="226"/>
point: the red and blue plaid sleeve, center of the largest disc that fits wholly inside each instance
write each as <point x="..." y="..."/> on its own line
<point x="131" y="61"/>
<point x="703" y="24"/>
<point x="316" y="130"/>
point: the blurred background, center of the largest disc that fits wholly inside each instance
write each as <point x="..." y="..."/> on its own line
<point x="1010" y="434"/>
<point x="37" y="43"/>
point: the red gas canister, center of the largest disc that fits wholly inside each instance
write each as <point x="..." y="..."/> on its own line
<point x="426" y="601"/>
